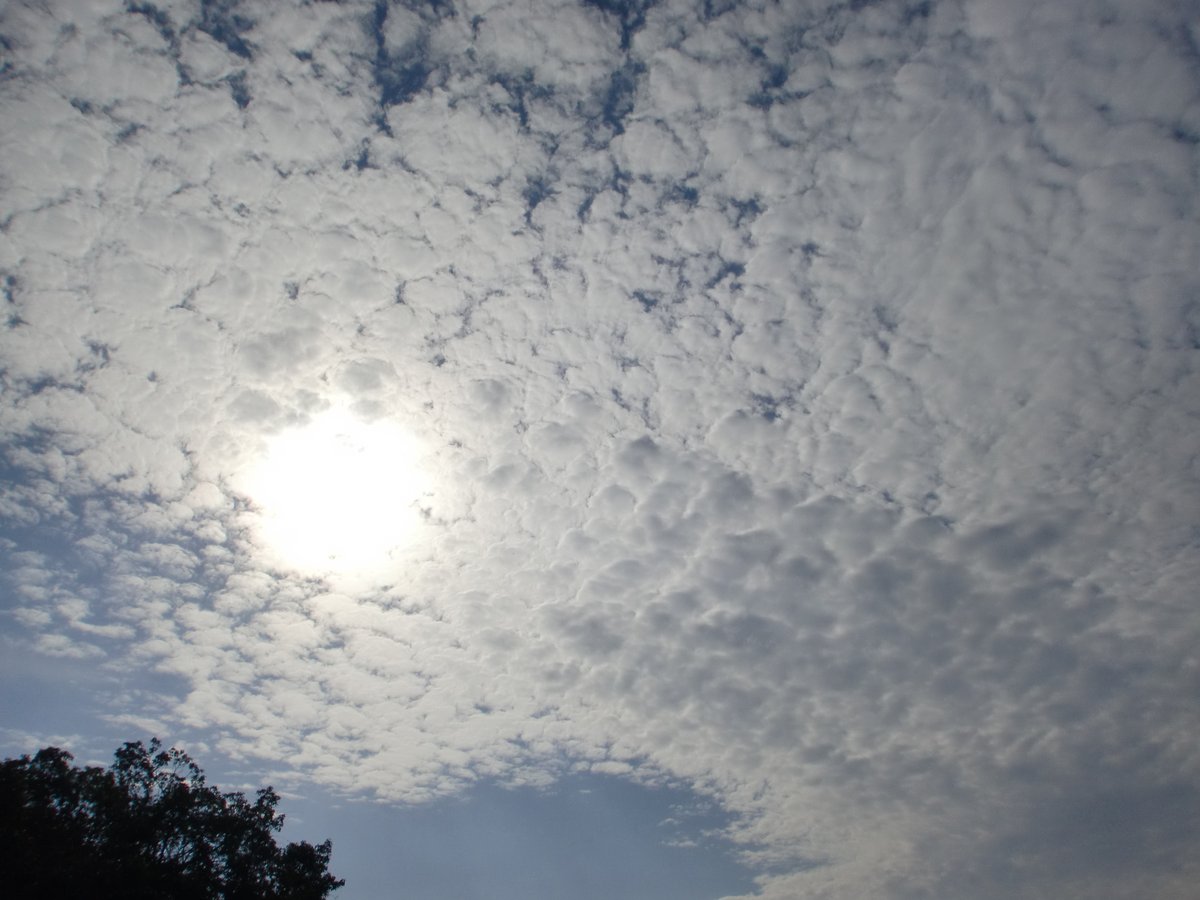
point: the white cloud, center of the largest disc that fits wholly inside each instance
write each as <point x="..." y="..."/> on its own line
<point x="811" y="393"/>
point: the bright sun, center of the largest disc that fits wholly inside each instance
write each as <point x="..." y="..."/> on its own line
<point x="338" y="494"/>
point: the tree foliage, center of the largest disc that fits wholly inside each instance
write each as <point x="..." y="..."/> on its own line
<point x="149" y="826"/>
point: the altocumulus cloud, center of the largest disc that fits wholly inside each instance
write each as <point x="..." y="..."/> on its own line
<point x="808" y="395"/>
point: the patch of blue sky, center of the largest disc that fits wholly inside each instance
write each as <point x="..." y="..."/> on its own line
<point x="588" y="837"/>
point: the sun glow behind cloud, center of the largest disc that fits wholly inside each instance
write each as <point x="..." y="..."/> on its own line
<point x="338" y="494"/>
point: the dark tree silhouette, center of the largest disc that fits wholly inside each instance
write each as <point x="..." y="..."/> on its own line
<point x="146" y="827"/>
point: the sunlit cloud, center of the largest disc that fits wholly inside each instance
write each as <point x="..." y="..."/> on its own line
<point x="337" y="494"/>
<point x="796" y="402"/>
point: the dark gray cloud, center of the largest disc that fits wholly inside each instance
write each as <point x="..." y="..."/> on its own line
<point x="806" y="395"/>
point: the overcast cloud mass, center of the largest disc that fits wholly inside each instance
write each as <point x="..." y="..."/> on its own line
<point x="806" y="398"/>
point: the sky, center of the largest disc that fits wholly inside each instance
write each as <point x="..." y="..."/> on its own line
<point x="618" y="448"/>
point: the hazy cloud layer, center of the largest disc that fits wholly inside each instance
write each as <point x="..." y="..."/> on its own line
<point x="810" y="393"/>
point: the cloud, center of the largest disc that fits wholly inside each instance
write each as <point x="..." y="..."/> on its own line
<point x="811" y="395"/>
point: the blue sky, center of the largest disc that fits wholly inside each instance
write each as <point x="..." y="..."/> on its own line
<point x="501" y="423"/>
<point x="584" y="836"/>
